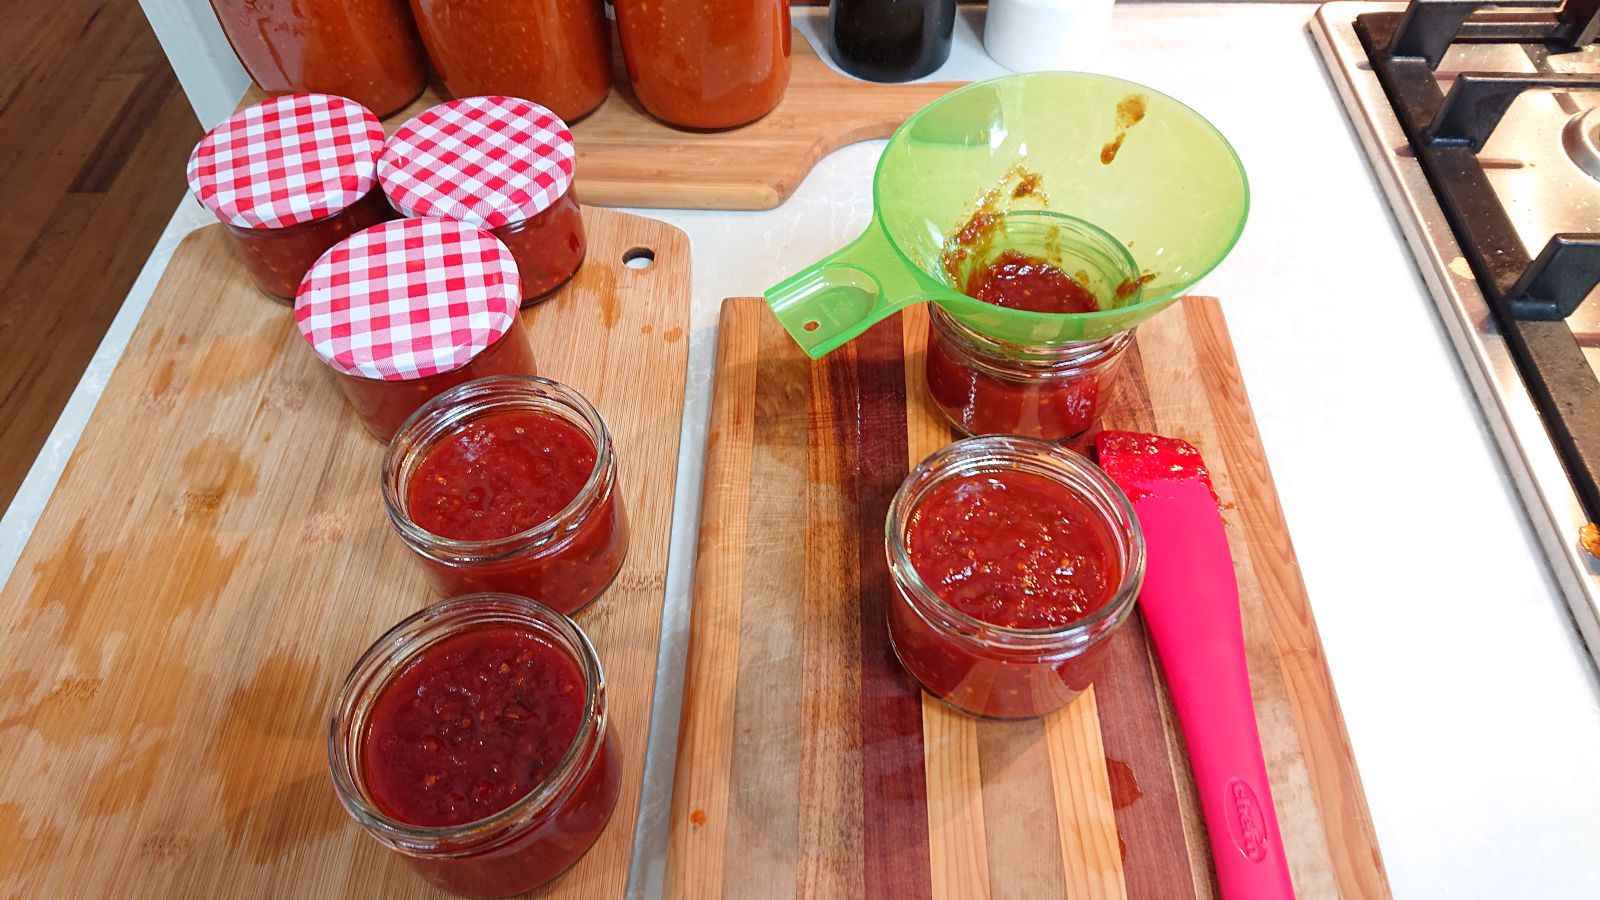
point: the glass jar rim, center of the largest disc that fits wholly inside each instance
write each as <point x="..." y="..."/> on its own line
<point x="445" y="413"/>
<point x="1012" y="361"/>
<point x="399" y="648"/>
<point x="989" y="453"/>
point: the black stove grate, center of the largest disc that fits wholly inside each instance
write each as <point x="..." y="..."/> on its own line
<point x="1530" y="296"/>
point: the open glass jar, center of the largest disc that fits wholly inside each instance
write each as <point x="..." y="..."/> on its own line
<point x="503" y="164"/>
<point x="986" y="385"/>
<point x="538" y="835"/>
<point x="564" y="560"/>
<point x="972" y="663"/>
<point x="290" y="177"/>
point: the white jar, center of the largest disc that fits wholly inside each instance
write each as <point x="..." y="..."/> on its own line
<point x="1034" y="35"/>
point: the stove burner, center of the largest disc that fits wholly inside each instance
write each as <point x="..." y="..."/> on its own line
<point x="1581" y="138"/>
<point x="1530" y="296"/>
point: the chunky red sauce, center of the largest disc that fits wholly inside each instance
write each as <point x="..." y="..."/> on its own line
<point x="554" y="52"/>
<point x="1017" y="281"/>
<point x="1014" y="549"/>
<point x="500" y="475"/>
<point x="548" y="248"/>
<point x="366" y="50"/>
<point x="474" y="725"/>
<point x="279" y="258"/>
<point x="704" y="64"/>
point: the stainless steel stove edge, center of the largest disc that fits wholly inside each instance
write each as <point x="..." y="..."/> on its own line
<point x="1525" y="447"/>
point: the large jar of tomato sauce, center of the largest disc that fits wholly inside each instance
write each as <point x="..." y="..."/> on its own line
<point x="556" y="53"/>
<point x="407" y="310"/>
<point x="366" y="50"/>
<point x="702" y="64"/>
<point x="290" y="177"/>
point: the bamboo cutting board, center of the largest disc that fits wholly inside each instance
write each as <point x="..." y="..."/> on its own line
<point x="627" y="158"/>
<point x="808" y="763"/>
<point x="215" y="558"/>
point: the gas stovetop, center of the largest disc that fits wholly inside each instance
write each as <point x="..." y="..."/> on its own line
<point x="1482" y="127"/>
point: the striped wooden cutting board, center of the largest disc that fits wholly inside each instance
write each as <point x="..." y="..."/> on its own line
<point x="809" y="765"/>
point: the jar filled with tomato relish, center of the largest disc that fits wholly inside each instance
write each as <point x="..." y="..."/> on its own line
<point x="406" y="310"/>
<point x="473" y="739"/>
<point x="1013" y="561"/>
<point x="366" y="50"/>
<point x="290" y="177"/>
<point x="696" y="64"/>
<point x="503" y="164"/>
<point x="510" y="484"/>
<point x="553" y="52"/>
<point x="985" y="385"/>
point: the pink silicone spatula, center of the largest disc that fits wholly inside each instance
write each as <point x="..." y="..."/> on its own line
<point x="1190" y="601"/>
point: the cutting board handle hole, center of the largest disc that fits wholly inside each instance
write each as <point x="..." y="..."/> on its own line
<point x="812" y="325"/>
<point x="638" y="257"/>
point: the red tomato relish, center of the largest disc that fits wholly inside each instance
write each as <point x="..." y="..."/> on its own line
<point x="1014" y="549"/>
<point x="500" y="475"/>
<point x="478" y="722"/>
<point x="1017" y="281"/>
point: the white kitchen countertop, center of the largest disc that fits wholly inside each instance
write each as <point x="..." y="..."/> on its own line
<point x="1469" y="701"/>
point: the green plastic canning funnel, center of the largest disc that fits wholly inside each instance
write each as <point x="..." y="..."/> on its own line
<point x="1159" y="196"/>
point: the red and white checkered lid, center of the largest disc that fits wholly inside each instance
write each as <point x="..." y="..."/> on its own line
<point x="408" y="299"/>
<point x="287" y="160"/>
<point x="490" y="161"/>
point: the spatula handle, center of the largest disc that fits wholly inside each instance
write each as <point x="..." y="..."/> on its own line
<point x="1191" y="608"/>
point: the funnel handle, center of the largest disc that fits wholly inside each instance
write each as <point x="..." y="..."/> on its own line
<point x="836" y="299"/>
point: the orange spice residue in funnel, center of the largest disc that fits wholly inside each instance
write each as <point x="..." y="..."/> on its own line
<point x="1130" y="112"/>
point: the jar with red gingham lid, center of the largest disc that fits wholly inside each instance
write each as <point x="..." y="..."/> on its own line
<point x="408" y="309"/>
<point x="501" y="163"/>
<point x="290" y="177"/>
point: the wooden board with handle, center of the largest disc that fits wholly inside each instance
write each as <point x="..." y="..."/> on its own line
<point x="627" y="158"/>
<point x="216" y="556"/>
<point x="810" y="765"/>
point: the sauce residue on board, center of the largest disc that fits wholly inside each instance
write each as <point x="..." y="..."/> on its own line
<point x="1130" y="112"/>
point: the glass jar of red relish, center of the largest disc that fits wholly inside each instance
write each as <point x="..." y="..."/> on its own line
<point x="696" y="64"/>
<point x="510" y="484"/>
<point x="503" y="164"/>
<point x="985" y="385"/>
<point x="290" y="177"/>
<point x="406" y="310"/>
<point x="1013" y="561"/>
<point x="553" y="52"/>
<point x="363" y="49"/>
<point x="473" y="739"/>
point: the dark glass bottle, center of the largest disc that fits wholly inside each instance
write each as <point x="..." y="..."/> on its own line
<point x="891" y="40"/>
